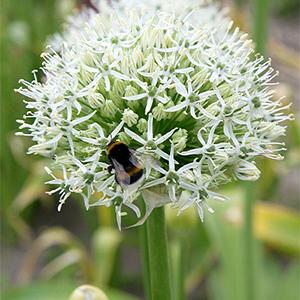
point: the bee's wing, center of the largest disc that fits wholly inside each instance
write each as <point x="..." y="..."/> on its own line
<point x="147" y="160"/>
<point x="133" y="158"/>
<point x="122" y="176"/>
<point x="152" y="161"/>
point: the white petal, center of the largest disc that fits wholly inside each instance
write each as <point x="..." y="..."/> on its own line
<point x="82" y="119"/>
<point x="149" y="105"/>
<point x="78" y="163"/>
<point x="136" y="97"/>
<point x="161" y="99"/>
<point x="134" y="208"/>
<point x="153" y="183"/>
<point x="150" y="128"/>
<point x="55" y="139"/>
<point x="200" y="210"/>
<point x="180" y="88"/>
<point x="178" y="106"/>
<point x="218" y="196"/>
<point x="171" y="159"/>
<point x="192" y="152"/>
<point x="134" y="136"/>
<point x="164" y="137"/>
<point x="119" y="75"/>
<point x="162" y="154"/>
<point x="117" y="129"/>
<point x="78" y="106"/>
<point x="184" y="71"/>
<point x="99" y="128"/>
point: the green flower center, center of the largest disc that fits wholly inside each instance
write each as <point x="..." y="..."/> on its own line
<point x="89" y="178"/>
<point x="203" y="194"/>
<point x="228" y="110"/>
<point x="172" y="178"/>
<point x="194" y="97"/>
<point x="170" y="68"/>
<point x="118" y="201"/>
<point x="152" y="91"/>
<point x="220" y="65"/>
<point x="211" y="149"/>
<point x="256" y="102"/>
<point x="105" y="67"/>
<point x="65" y="187"/>
<point x="64" y="124"/>
<point x="150" y="145"/>
<point x="114" y="40"/>
<point x="244" y="151"/>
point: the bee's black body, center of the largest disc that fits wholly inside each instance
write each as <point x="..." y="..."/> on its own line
<point x="127" y="167"/>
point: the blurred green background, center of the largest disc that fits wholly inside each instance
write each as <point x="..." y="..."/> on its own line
<point x="46" y="254"/>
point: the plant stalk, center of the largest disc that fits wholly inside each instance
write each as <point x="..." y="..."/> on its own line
<point x="143" y="236"/>
<point x="249" y="242"/>
<point x="159" y="266"/>
<point x="260" y="18"/>
<point x="178" y="266"/>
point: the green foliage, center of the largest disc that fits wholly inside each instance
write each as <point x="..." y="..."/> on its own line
<point x="227" y="280"/>
<point x="24" y="27"/>
<point x="55" y="290"/>
<point x="278" y="227"/>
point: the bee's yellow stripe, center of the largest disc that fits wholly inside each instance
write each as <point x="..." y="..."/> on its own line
<point x="133" y="170"/>
<point x="112" y="146"/>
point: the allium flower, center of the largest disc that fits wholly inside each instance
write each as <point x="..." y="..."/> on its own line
<point x="209" y="15"/>
<point x="188" y="94"/>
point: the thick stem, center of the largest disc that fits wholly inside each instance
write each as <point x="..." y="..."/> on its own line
<point x="160" y="279"/>
<point x="249" y="242"/>
<point x="178" y="264"/>
<point x="143" y="235"/>
<point x="260" y="17"/>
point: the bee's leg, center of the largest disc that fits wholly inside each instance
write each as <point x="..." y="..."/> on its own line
<point x="109" y="169"/>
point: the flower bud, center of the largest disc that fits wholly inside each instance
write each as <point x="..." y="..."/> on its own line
<point x="130" y="117"/>
<point x="88" y="292"/>
<point x="179" y="139"/>
<point x="246" y="170"/>
<point x="142" y="125"/>
<point x="159" y="113"/>
<point x="95" y="99"/>
<point x="109" y="109"/>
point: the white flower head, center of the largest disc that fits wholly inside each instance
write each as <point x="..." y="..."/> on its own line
<point x="185" y="93"/>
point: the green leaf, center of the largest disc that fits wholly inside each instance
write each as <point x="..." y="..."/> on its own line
<point x="54" y="290"/>
<point x="289" y="288"/>
<point x="105" y="243"/>
<point x="278" y="227"/>
<point x="40" y="290"/>
<point x="228" y="281"/>
<point x="55" y="236"/>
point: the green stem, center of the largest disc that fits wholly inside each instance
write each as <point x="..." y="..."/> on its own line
<point x="178" y="261"/>
<point x="143" y="235"/>
<point x="260" y="17"/>
<point x="249" y="242"/>
<point x="160" y="279"/>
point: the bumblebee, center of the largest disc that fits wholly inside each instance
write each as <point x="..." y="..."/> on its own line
<point x="128" y="164"/>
